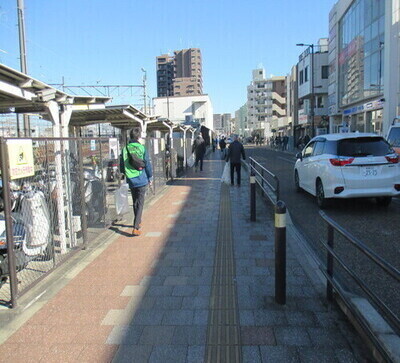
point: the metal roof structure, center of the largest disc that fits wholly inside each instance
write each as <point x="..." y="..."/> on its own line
<point x="124" y="116"/>
<point x="21" y="93"/>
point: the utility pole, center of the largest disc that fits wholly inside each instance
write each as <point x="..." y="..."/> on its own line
<point x="312" y="104"/>
<point x="144" y="90"/>
<point x="22" y="50"/>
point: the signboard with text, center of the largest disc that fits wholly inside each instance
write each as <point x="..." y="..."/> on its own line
<point x="20" y="158"/>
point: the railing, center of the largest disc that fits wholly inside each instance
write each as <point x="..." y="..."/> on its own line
<point x="332" y="282"/>
<point x="268" y="182"/>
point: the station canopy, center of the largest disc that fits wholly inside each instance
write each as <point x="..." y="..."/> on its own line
<point x="21" y="93"/>
<point x="124" y="116"/>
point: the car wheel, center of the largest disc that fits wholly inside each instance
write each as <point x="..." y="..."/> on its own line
<point x="297" y="181"/>
<point x="321" y="200"/>
<point x="383" y="201"/>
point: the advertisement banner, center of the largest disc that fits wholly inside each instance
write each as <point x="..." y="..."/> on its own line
<point x="20" y="157"/>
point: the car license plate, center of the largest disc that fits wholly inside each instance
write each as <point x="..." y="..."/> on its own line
<point x="369" y="171"/>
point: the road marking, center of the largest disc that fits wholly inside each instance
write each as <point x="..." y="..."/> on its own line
<point x="287" y="160"/>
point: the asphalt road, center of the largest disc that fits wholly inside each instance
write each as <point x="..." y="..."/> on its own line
<point x="377" y="227"/>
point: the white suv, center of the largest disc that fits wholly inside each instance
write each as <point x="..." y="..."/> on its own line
<point x="348" y="165"/>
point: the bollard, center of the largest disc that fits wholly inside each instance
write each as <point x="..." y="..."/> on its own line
<point x="329" y="264"/>
<point x="280" y="252"/>
<point x="252" y="197"/>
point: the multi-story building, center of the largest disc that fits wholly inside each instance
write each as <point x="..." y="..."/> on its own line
<point x="364" y="80"/>
<point x="222" y="123"/>
<point x="266" y="103"/>
<point x="312" y="79"/>
<point x="181" y="74"/>
<point x="165" y="75"/>
<point x="241" y="121"/>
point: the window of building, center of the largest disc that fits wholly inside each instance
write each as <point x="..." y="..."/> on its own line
<point x="306" y="74"/>
<point x="324" y="72"/>
<point x="259" y="72"/>
<point x="320" y="102"/>
<point x="301" y="77"/>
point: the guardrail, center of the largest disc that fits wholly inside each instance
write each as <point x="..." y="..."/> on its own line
<point x="268" y="182"/>
<point x="334" y="285"/>
<point x="258" y="175"/>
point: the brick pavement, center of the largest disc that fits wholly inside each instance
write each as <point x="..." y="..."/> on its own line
<point x="147" y="298"/>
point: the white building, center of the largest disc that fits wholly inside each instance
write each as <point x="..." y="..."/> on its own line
<point x="189" y="109"/>
<point x="266" y="103"/>
<point x="311" y="75"/>
<point x="364" y="59"/>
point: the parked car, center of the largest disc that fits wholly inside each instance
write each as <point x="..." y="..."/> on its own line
<point x="393" y="136"/>
<point x="348" y="165"/>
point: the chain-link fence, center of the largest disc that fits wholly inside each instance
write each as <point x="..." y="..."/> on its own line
<point x="56" y="195"/>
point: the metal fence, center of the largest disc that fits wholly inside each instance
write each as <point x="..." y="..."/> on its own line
<point x="267" y="181"/>
<point x="333" y="283"/>
<point x="56" y="195"/>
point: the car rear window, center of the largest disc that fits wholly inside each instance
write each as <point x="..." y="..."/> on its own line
<point x="394" y="136"/>
<point x="364" y="146"/>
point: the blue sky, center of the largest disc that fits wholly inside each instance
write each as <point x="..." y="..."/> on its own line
<point x="108" y="42"/>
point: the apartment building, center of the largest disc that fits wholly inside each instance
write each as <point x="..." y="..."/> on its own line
<point x="313" y="73"/>
<point x="180" y="74"/>
<point x="266" y="103"/>
<point x="165" y="75"/>
<point x="222" y="123"/>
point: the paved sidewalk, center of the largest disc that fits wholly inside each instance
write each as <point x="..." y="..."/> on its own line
<point x="152" y="298"/>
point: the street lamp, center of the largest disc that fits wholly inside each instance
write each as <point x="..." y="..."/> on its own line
<point x="312" y="85"/>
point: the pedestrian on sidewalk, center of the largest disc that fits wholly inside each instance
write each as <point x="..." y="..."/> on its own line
<point x="199" y="149"/>
<point x="136" y="166"/>
<point x="222" y="146"/>
<point x="235" y="152"/>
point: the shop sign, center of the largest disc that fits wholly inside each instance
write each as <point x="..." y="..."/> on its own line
<point x="303" y="118"/>
<point x="20" y="158"/>
<point x="353" y="110"/>
<point x="369" y="106"/>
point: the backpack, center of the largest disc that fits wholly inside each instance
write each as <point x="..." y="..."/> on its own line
<point x="134" y="161"/>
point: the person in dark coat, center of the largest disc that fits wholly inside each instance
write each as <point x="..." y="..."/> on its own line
<point x="199" y="149"/>
<point x="235" y="153"/>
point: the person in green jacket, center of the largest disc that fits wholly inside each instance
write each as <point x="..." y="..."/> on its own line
<point x="136" y="179"/>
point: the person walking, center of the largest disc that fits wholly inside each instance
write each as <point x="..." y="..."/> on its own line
<point x="222" y="146"/>
<point x="235" y="152"/>
<point x="136" y="166"/>
<point x="199" y="148"/>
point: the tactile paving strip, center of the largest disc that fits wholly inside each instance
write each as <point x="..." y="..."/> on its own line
<point x="223" y="331"/>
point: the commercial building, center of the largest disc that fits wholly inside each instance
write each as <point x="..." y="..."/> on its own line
<point x="312" y="81"/>
<point x="189" y="110"/>
<point x="266" y="104"/>
<point x="181" y="74"/>
<point x="364" y="81"/>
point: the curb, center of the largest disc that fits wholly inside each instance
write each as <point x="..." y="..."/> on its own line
<point x="384" y="344"/>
